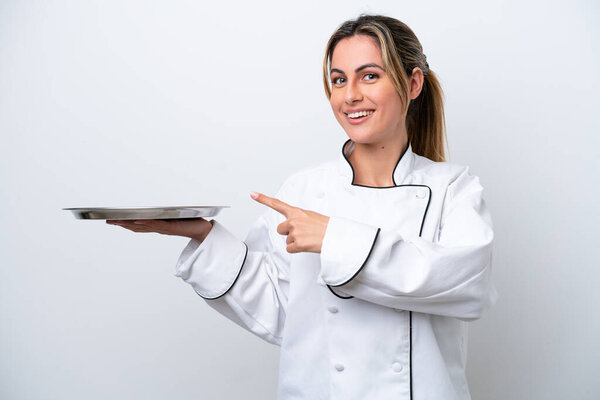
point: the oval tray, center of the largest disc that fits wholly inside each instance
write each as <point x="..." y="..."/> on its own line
<point x="145" y="212"/>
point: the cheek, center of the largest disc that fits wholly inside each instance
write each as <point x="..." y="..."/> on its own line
<point x="394" y="103"/>
<point x="334" y="100"/>
<point x="390" y="109"/>
<point x="336" y="103"/>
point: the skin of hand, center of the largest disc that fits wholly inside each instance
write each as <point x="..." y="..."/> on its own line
<point x="304" y="229"/>
<point x="194" y="228"/>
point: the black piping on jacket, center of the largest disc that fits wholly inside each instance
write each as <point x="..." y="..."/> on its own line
<point x="234" y="281"/>
<point x="410" y="357"/>
<point x="379" y="229"/>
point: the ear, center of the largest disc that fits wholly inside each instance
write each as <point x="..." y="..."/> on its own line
<point x="416" y="82"/>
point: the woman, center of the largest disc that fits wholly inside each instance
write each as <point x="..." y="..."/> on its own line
<point x="365" y="269"/>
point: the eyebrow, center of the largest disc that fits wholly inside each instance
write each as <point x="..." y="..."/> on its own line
<point x="357" y="70"/>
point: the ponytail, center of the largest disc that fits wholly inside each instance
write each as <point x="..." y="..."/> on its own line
<point x="425" y="121"/>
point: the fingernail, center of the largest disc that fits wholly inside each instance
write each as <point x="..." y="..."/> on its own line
<point x="254" y="195"/>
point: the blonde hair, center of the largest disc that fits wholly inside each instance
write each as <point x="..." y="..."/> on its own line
<point x="401" y="52"/>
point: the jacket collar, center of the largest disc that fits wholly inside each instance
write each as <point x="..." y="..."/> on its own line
<point x="401" y="170"/>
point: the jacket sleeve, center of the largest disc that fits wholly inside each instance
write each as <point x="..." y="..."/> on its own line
<point x="449" y="276"/>
<point x="246" y="281"/>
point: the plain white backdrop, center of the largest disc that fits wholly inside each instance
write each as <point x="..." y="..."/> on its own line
<point x="125" y="103"/>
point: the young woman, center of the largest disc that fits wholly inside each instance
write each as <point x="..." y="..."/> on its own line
<point x="364" y="269"/>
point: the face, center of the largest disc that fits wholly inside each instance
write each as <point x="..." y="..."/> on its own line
<point x="363" y="98"/>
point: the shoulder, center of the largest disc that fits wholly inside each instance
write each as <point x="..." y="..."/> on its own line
<point x="310" y="174"/>
<point x="440" y="170"/>
<point x="455" y="178"/>
<point x="307" y="179"/>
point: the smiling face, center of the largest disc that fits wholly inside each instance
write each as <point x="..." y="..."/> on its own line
<point x="364" y="100"/>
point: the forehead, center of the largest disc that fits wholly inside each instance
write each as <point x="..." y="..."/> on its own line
<point x="354" y="51"/>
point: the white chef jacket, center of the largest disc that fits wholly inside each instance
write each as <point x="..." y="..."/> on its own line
<point x="381" y="312"/>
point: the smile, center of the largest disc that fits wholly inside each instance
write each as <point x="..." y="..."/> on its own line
<point x="359" y="116"/>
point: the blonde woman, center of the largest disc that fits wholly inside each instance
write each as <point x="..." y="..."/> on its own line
<point x="366" y="269"/>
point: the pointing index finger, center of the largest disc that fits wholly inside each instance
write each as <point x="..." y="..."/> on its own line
<point x="275" y="204"/>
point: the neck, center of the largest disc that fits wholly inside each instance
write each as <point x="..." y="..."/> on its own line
<point x="374" y="163"/>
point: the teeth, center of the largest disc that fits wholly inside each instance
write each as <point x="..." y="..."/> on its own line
<point x="360" y="114"/>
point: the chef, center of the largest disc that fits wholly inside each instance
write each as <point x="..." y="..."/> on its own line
<point x="365" y="269"/>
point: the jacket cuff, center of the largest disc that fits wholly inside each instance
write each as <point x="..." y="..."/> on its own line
<point x="346" y="248"/>
<point x="213" y="266"/>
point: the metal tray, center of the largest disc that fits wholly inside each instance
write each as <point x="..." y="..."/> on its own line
<point x="145" y="212"/>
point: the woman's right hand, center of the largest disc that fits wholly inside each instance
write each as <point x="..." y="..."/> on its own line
<point x="194" y="228"/>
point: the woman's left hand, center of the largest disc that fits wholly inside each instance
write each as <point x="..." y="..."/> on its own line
<point x="304" y="229"/>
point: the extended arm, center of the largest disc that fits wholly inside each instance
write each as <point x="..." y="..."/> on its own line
<point x="247" y="281"/>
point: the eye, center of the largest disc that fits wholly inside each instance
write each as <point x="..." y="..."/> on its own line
<point x="370" y="77"/>
<point x="340" y="80"/>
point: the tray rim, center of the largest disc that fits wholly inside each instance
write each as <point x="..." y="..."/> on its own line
<point x="166" y="212"/>
<point x="144" y="208"/>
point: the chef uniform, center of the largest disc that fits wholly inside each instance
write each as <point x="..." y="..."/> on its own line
<point x="381" y="312"/>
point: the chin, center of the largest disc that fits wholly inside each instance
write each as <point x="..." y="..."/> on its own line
<point x="362" y="137"/>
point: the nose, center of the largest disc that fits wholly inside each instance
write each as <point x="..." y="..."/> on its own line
<point x="353" y="93"/>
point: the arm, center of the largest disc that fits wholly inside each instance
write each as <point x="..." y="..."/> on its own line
<point x="450" y="276"/>
<point x="247" y="281"/>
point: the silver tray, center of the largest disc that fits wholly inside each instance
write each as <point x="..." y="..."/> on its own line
<point x="145" y="212"/>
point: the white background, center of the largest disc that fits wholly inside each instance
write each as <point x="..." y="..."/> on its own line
<point x="119" y="103"/>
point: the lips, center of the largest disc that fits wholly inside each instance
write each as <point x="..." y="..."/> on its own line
<point x="358" y="116"/>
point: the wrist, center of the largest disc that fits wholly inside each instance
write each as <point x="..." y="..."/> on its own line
<point x="204" y="231"/>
